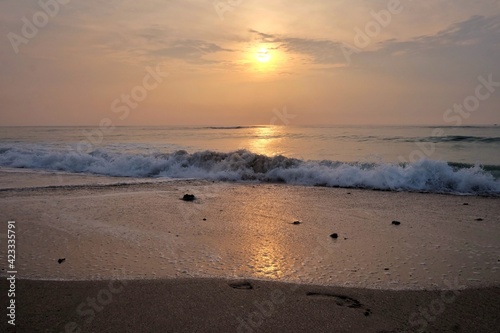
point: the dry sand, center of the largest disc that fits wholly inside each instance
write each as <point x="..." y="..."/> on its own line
<point x="210" y="305"/>
<point x="176" y="256"/>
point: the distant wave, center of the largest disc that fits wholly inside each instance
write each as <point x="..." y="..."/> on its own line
<point x="242" y="165"/>
<point x="436" y="139"/>
<point x="232" y="127"/>
<point x="464" y="138"/>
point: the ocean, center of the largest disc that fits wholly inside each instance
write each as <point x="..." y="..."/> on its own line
<point x="455" y="160"/>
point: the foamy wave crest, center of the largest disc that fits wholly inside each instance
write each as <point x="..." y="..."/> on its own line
<point x="242" y="165"/>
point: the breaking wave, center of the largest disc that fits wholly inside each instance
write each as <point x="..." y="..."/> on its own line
<point x="462" y="138"/>
<point x="242" y="165"/>
<point x="435" y="139"/>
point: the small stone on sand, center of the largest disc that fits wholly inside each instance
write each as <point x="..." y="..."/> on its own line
<point x="188" y="197"/>
<point x="334" y="235"/>
<point x="60" y="261"/>
<point x="396" y="222"/>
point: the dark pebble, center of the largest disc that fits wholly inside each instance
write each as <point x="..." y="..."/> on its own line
<point x="296" y="222"/>
<point x="334" y="236"/>
<point x="479" y="219"/>
<point x="386" y="269"/>
<point x="396" y="222"/>
<point x="188" y="197"/>
<point x="204" y="219"/>
<point x="60" y="261"/>
<point x="466" y="204"/>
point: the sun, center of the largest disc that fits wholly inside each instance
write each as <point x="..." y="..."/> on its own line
<point x="262" y="61"/>
<point x="263" y="55"/>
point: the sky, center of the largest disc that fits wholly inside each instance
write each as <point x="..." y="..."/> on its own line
<point x="244" y="62"/>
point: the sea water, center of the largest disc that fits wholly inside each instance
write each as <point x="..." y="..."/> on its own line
<point x="459" y="160"/>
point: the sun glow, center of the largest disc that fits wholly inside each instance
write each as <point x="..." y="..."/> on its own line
<point x="263" y="55"/>
<point x="263" y="61"/>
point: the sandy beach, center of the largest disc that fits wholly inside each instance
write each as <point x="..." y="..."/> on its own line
<point x="212" y="305"/>
<point x="235" y="166"/>
<point x="157" y="263"/>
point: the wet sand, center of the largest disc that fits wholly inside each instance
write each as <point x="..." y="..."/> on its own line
<point x="177" y="256"/>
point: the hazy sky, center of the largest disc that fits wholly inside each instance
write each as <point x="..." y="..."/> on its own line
<point x="232" y="62"/>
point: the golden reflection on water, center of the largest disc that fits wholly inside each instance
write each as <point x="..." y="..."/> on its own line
<point x="268" y="259"/>
<point x="266" y="141"/>
<point x="266" y="247"/>
<point x="266" y="241"/>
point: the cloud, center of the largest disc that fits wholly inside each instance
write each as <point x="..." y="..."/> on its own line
<point x="319" y="51"/>
<point x="480" y="32"/>
<point x="191" y="51"/>
<point x="264" y="37"/>
<point x="477" y="31"/>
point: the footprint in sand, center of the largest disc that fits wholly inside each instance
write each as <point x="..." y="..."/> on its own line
<point x="342" y="300"/>
<point x="241" y="285"/>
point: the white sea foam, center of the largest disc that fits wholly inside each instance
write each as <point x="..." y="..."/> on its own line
<point x="242" y="165"/>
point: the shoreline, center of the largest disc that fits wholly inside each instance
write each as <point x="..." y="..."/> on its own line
<point x="26" y="179"/>
<point x="30" y="180"/>
<point x="246" y="231"/>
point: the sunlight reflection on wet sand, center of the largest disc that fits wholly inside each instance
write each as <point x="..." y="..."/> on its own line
<point x="246" y="231"/>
